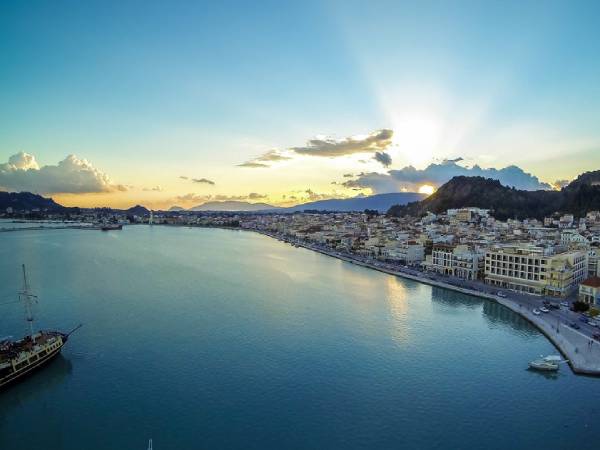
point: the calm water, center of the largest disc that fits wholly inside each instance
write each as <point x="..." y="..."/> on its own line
<point x="215" y="339"/>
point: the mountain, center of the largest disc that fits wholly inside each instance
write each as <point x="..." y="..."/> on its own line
<point x="26" y="201"/>
<point x="137" y="210"/>
<point x="176" y="208"/>
<point x="233" y="206"/>
<point x="379" y="202"/>
<point x="577" y="198"/>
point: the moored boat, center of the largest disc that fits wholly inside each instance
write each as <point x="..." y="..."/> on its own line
<point x="548" y="363"/>
<point x="112" y="226"/>
<point x="20" y="358"/>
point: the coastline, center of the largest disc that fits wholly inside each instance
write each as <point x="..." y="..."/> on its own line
<point x="572" y="344"/>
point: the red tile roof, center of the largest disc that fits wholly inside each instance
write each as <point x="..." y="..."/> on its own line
<point x="592" y="282"/>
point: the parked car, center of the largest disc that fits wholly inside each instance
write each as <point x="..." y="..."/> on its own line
<point x="574" y="325"/>
<point x="596" y="336"/>
<point x="565" y="304"/>
<point x="592" y="323"/>
<point x="501" y="294"/>
<point x="553" y="306"/>
<point x="544" y="309"/>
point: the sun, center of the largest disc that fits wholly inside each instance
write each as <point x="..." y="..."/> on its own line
<point x="426" y="189"/>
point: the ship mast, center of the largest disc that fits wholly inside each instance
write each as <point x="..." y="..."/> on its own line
<point x="27" y="298"/>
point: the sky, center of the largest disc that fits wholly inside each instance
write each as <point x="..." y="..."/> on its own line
<point x="179" y="103"/>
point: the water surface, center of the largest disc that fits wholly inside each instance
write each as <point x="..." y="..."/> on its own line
<point x="206" y="339"/>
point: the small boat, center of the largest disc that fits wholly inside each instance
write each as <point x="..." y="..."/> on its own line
<point x="112" y="226"/>
<point x="548" y="363"/>
<point x="536" y="311"/>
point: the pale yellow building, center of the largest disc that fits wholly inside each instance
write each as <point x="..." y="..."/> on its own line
<point x="535" y="270"/>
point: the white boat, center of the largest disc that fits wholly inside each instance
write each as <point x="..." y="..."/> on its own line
<point x="548" y="363"/>
<point x="536" y="311"/>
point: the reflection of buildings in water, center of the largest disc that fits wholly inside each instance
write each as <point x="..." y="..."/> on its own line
<point x="397" y="301"/>
<point x="496" y="314"/>
<point x="50" y="376"/>
<point x="453" y="298"/>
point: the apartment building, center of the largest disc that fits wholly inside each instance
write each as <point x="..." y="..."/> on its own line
<point x="535" y="270"/>
<point x="589" y="291"/>
<point x="460" y="261"/>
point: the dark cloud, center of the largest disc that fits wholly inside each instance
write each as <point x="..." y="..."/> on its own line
<point x="348" y="175"/>
<point x="154" y="189"/>
<point x="384" y="158"/>
<point x="203" y="180"/>
<point x="71" y="175"/>
<point x="409" y="178"/>
<point x="184" y="178"/>
<point x="376" y="141"/>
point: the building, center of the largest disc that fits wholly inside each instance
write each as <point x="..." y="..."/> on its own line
<point x="589" y="291"/>
<point x="535" y="270"/>
<point x="460" y="261"/>
<point x="409" y="253"/>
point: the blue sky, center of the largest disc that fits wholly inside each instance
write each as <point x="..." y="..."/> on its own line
<point x="148" y="92"/>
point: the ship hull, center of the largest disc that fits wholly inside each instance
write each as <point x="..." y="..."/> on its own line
<point x="29" y="369"/>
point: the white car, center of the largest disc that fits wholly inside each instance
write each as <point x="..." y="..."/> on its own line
<point x="592" y="323"/>
<point x="565" y="304"/>
<point x="536" y="311"/>
<point x="544" y="309"/>
<point x="501" y="294"/>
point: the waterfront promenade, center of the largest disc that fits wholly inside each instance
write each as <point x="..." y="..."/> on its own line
<point x="577" y="346"/>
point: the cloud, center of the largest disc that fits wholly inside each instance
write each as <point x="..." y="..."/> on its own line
<point x="203" y="198"/>
<point x="384" y="158"/>
<point x="270" y="156"/>
<point x="348" y="175"/>
<point x="559" y="184"/>
<point x="203" y="180"/>
<point x="71" y="175"/>
<point x="184" y="178"/>
<point x="155" y="189"/>
<point x="409" y="178"/>
<point x="255" y="196"/>
<point x="253" y="165"/>
<point x="376" y="141"/>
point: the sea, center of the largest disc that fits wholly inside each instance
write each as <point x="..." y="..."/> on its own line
<point x="221" y="339"/>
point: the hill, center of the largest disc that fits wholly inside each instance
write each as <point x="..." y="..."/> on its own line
<point x="233" y="206"/>
<point x="138" y="210"/>
<point x="379" y="202"/>
<point x="26" y="201"/>
<point x="579" y="197"/>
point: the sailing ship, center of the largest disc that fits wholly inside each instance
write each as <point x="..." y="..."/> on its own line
<point x="20" y="358"/>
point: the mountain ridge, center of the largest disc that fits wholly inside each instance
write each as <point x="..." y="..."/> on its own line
<point x="578" y="197"/>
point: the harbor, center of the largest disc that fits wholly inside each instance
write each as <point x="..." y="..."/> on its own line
<point x="183" y="327"/>
<point x="581" y="350"/>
